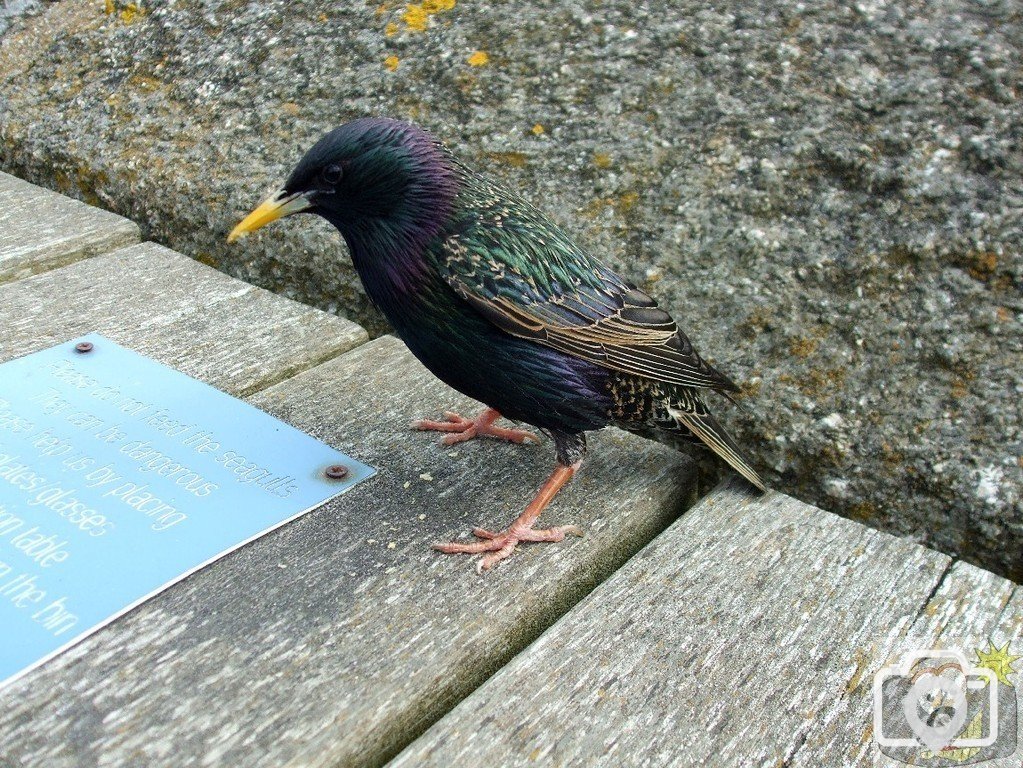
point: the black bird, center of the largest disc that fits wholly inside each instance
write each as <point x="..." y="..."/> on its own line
<point x="499" y="303"/>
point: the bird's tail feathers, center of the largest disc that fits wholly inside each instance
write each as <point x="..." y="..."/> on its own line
<point x="713" y="435"/>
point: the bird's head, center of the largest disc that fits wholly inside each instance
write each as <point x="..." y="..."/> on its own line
<point x="371" y="172"/>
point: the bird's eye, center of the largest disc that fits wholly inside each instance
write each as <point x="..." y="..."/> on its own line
<point x="331" y="174"/>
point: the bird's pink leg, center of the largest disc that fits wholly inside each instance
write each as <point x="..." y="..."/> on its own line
<point x="463" y="429"/>
<point x="502" y="544"/>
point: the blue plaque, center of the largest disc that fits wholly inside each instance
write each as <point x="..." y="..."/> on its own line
<point x="120" y="476"/>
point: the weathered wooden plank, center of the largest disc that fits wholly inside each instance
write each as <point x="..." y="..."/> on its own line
<point x="40" y="229"/>
<point x="339" y="637"/>
<point x="724" y="642"/>
<point x="969" y="607"/>
<point x="218" y="329"/>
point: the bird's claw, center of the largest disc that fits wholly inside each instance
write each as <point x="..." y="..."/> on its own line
<point x="501" y="545"/>
<point x="462" y="429"/>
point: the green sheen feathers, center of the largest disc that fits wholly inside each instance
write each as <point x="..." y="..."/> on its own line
<point x="521" y="272"/>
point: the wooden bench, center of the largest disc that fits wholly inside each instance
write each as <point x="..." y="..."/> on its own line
<point x="747" y="633"/>
<point x="340" y="637"/>
<point x="41" y="230"/>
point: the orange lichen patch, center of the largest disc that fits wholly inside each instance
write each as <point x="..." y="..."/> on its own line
<point x="831" y="455"/>
<point x="391" y="62"/>
<point x="538" y="130"/>
<point x="801" y="347"/>
<point x="756" y="322"/>
<point x="514" y="159"/>
<point x="391" y="29"/>
<point x="862" y="511"/>
<point x="626" y="202"/>
<point x="961" y="383"/>
<point x="323" y="18"/>
<point x="621" y="204"/>
<point x="750" y="388"/>
<point x="143" y="83"/>
<point x="890" y="454"/>
<point x="602" y="160"/>
<point x="479" y="59"/>
<point x="981" y="264"/>
<point x="818" y="384"/>
<point x="207" y="259"/>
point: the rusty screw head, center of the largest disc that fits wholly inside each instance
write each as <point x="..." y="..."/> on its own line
<point x="336" y="472"/>
<point x="83" y="346"/>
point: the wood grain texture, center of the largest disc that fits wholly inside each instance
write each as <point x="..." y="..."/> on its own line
<point x="225" y="332"/>
<point x="40" y="229"/>
<point x="338" y="638"/>
<point x="746" y="634"/>
<point x="968" y="607"/>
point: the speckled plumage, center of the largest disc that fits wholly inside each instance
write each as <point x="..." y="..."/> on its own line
<point x="500" y="303"/>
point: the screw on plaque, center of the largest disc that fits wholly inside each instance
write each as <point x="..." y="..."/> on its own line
<point x="83" y="346"/>
<point x="336" y="472"/>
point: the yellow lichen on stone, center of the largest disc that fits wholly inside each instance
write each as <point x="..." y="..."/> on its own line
<point x="862" y="511"/>
<point x="391" y="29"/>
<point x="479" y="59"/>
<point x="145" y="83"/>
<point x="109" y="7"/>
<point x="538" y="130"/>
<point x="514" y="159"/>
<point x="207" y="259"/>
<point x="602" y="160"/>
<point x="415" y="17"/>
<point x="391" y="62"/>
<point x="802" y="347"/>
<point x="982" y="264"/>
<point x="621" y="205"/>
<point x="130" y="12"/>
<point x="627" y="202"/>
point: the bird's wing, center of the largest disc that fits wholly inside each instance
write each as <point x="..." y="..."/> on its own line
<point x="526" y="277"/>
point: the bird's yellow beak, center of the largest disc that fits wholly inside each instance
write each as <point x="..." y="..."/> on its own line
<point x="276" y="206"/>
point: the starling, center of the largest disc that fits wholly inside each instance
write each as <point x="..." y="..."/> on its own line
<point x="500" y="304"/>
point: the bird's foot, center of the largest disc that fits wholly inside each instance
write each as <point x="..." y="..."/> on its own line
<point x="501" y="545"/>
<point x="462" y="429"/>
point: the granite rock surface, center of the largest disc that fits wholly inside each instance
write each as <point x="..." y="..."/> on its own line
<point x="827" y="195"/>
